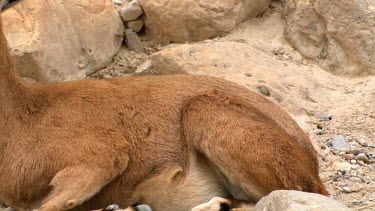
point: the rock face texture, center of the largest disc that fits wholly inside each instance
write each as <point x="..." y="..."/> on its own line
<point x="338" y="34"/>
<point x="195" y="20"/>
<point x="298" y="201"/>
<point x="62" y="40"/>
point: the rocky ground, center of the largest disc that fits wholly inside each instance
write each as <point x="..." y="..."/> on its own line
<point x="338" y="112"/>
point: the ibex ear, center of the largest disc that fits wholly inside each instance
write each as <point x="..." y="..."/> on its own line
<point x="6" y="4"/>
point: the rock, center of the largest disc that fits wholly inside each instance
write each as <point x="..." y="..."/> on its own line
<point x="339" y="143"/>
<point x="346" y="189"/>
<point x="131" y="11"/>
<point x="341" y="166"/>
<point x="349" y="156"/>
<point x="362" y="141"/>
<point x="355" y="151"/>
<point x="362" y="157"/>
<point x="337" y="34"/>
<point x="179" y="21"/>
<point x="264" y="91"/>
<point x="135" y="25"/>
<point x="62" y="40"/>
<point x="355" y="179"/>
<point x="112" y="207"/>
<point x="297" y="201"/>
<point x="324" y="116"/>
<point x="132" y="40"/>
<point x="117" y="1"/>
<point x="353" y="162"/>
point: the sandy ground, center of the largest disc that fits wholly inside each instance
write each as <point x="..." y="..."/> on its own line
<point x="350" y="101"/>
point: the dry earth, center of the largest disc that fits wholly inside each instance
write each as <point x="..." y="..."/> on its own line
<point x="257" y="55"/>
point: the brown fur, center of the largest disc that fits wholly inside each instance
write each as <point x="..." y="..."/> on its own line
<point x="172" y="142"/>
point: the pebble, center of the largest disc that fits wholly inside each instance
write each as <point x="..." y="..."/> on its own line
<point x="324" y="116"/>
<point x="131" y="11"/>
<point x="117" y="1"/>
<point x="248" y="75"/>
<point x="353" y="162"/>
<point x="136" y="25"/>
<point x="113" y="207"/>
<point x="346" y="189"/>
<point x="342" y="166"/>
<point x="355" y="151"/>
<point x="349" y="156"/>
<point x="339" y="143"/>
<point x="132" y="40"/>
<point x="362" y="157"/>
<point x="362" y="141"/>
<point x="355" y="179"/>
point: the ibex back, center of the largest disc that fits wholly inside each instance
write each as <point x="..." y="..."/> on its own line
<point x="172" y="142"/>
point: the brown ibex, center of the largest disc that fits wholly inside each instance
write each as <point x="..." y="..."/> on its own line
<point x="172" y="142"/>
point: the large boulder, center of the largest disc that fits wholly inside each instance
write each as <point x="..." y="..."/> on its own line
<point x="281" y="200"/>
<point x="62" y="40"/>
<point x="338" y="34"/>
<point x="195" y="20"/>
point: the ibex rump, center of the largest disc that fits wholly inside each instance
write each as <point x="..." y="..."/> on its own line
<point x="172" y="142"/>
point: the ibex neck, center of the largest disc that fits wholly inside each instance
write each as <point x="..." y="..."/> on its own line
<point x="12" y="89"/>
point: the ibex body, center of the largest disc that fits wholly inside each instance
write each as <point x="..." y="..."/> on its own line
<point x="172" y="142"/>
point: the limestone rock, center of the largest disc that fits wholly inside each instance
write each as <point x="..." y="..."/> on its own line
<point x="132" y="41"/>
<point x="298" y="201"/>
<point x="131" y="11"/>
<point x="62" y="40"/>
<point x="339" y="34"/>
<point x="195" y="20"/>
<point x="135" y="25"/>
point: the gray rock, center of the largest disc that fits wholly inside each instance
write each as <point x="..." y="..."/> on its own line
<point x="136" y="25"/>
<point x="324" y="116"/>
<point x="112" y="207"/>
<point x="132" y="11"/>
<point x="362" y="157"/>
<point x="339" y="143"/>
<point x="132" y="40"/>
<point x="298" y="201"/>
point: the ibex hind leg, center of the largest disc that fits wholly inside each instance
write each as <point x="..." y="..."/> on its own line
<point x="251" y="150"/>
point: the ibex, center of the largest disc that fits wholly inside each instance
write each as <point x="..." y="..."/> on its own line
<point x="173" y="142"/>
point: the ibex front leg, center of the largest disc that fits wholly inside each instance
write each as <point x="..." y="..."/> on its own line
<point x="74" y="185"/>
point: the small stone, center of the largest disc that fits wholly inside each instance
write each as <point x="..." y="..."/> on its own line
<point x="135" y="25"/>
<point x="346" y="189"/>
<point x="132" y="40"/>
<point x="362" y="141"/>
<point x="353" y="162"/>
<point x="355" y="151"/>
<point x="339" y="143"/>
<point x="112" y="207"/>
<point x="264" y="90"/>
<point x="349" y="156"/>
<point x="362" y="157"/>
<point x="131" y="11"/>
<point x="319" y="126"/>
<point x="248" y="75"/>
<point x="117" y="1"/>
<point x="324" y="116"/>
<point x="143" y="207"/>
<point x="341" y="166"/>
<point x="355" y="179"/>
